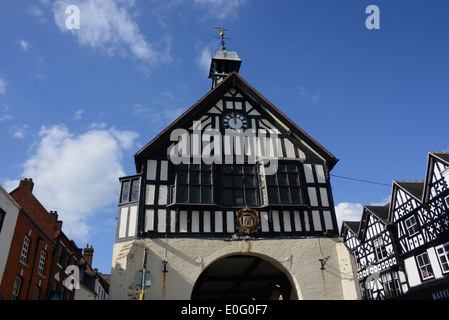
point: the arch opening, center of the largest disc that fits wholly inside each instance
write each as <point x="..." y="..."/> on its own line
<point x="242" y="277"/>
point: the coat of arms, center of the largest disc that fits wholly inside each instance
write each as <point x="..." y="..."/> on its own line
<point x="248" y="220"/>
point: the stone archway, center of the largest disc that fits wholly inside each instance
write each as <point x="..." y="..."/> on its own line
<point x="242" y="277"/>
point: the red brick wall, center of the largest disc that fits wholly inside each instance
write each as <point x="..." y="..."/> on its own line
<point x="29" y="275"/>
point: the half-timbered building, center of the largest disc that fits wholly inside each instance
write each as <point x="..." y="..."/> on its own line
<point x="372" y="243"/>
<point x="232" y="200"/>
<point x="418" y="225"/>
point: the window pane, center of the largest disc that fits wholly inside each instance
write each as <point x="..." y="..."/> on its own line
<point x="227" y="169"/>
<point x="206" y="194"/>
<point x="273" y="195"/>
<point x="251" y="198"/>
<point x="206" y="178"/>
<point x="227" y="181"/>
<point x="182" y="177"/>
<point x="238" y="181"/>
<point x="135" y="190"/>
<point x="194" y="177"/>
<point x="282" y="168"/>
<point x="194" y="194"/>
<point x="282" y="179"/>
<point x="125" y="191"/>
<point x="296" y="195"/>
<point x="239" y="200"/>
<point x="285" y="195"/>
<point x="271" y="180"/>
<point x="227" y="197"/>
<point x="182" y="193"/>
<point x="250" y="170"/>
<point x="293" y="179"/>
<point x="250" y="181"/>
<point x="238" y="169"/>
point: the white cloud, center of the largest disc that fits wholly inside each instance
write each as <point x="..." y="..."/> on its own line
<point x="19" y="132"/>
<point x="77" y="173"/>
<point x="205" y="57"/>
<point x="221" y="9"/>
<point x="108" y="26"/>
<point x="78" y="114"/>
<point x="4" y="113"/>
<point x="2" y="86"/>
<point x="24" y="44"/>
<point x="346" y="211"/>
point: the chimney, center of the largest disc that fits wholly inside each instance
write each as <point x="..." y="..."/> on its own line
<point x="27" y="184"/>
<point x="88" y="254"/>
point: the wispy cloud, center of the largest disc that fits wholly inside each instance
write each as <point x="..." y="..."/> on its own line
<point x="2" y="86"/>
<point x="107" y="26"/>
<point x="19" y="132"/>
<point x="24" y="45"/>
<point x="308" y="94"/>
<point x="78" y="114"/>
<point x="220" y="9"/>
<point x="4" y="113"/>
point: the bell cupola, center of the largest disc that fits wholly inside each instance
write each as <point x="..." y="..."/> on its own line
<point x="223" y="62"/>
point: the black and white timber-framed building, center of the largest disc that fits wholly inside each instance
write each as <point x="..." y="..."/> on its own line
<point x="232" y="200"/>
<point x="401" y="250"/>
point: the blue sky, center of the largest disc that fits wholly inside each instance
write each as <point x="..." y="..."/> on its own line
<point x="76" y="105"/>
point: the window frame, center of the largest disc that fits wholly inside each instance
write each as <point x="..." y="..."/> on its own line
<point x="42" y="260"/>
<point x="132" y="192"/>
<point x="425" y="268"/>
<point x="25" y="249"/>
<point x="237" y="173"/>
<point x="16" y="288"/>
<point x="414" y="227"/>
<point x="200" y="172"/>
<point x="444" y="255"/>
<point x="380" y="248"/>
<point x="274" y="185"/>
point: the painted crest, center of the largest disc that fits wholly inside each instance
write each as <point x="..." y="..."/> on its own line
<point x="248" y="220"/>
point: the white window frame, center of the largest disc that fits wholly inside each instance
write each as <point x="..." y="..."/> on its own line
<point x="25" y="248"/>
<point x="413" y="227"/>
<point x="42" y="260"/>
<point x="425" y="267"/>
<point x="380" y="249"/>
<point x="16" y="288"/>
<point x="443" y="256"/>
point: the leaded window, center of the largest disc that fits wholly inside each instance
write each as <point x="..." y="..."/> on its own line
<point x="130" y="190"/>
<point x="240" y="185"/>
<point x="284" y="185"/>
<point x="194" y="183"/>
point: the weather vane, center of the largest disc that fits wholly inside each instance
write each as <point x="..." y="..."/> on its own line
<point x="222" y="36"/>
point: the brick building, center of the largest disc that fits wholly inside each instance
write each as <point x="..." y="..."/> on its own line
<point x="40" y="262"/>
<point x="27" y="271"/>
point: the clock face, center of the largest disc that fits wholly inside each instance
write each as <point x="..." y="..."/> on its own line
<point x="235" y="122"/>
